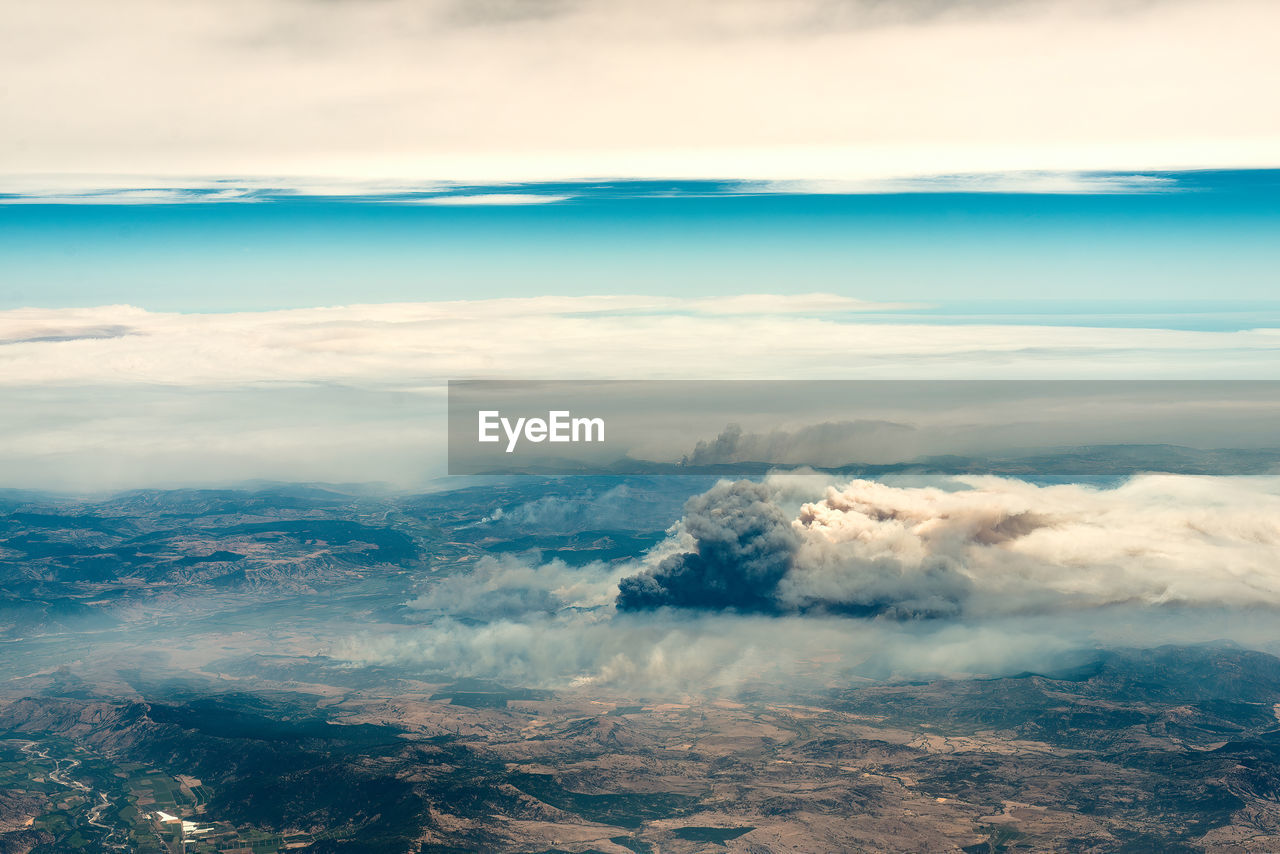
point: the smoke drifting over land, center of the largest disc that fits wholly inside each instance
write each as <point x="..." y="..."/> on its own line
<point x="780" y="582"/>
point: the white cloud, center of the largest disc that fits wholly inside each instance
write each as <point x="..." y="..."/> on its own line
<point x="138" y="196"/>
<point x="494" y="199"/>
<point x="162" y="189"/>
<point x="399" y="91"/>
<point x="754" y="336"/>
<point x="996" y="182"/>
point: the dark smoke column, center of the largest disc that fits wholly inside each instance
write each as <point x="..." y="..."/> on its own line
<point x="745" y="545"/>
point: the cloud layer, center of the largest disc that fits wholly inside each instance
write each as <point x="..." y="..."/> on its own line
<point x="432" y="90"/>
<point x="754" y="336"/>
<point x="172" y="189"/>
<point x="116" y="396"/>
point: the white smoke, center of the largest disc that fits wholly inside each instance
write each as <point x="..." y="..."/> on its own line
<point x="1001" y="546"/>
<point x="511" y="586"/>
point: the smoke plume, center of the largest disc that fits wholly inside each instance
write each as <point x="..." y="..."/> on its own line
<point x="745" y="546"/>
<point x="978" y="546"/>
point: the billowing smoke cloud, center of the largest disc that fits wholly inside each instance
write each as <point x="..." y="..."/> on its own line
<point x="982" y="546"/>
<point x="744" y="547"/>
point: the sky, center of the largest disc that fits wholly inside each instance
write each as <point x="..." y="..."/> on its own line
<point x="1153" y="238"/>
<point x="253" y="238"/>
<point x="234" y="155"/>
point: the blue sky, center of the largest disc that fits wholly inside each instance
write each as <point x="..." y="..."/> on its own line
<point x="1197" y="236"/>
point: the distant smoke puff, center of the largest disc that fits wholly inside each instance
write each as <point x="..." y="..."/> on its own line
<point x="831" y="443"/>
